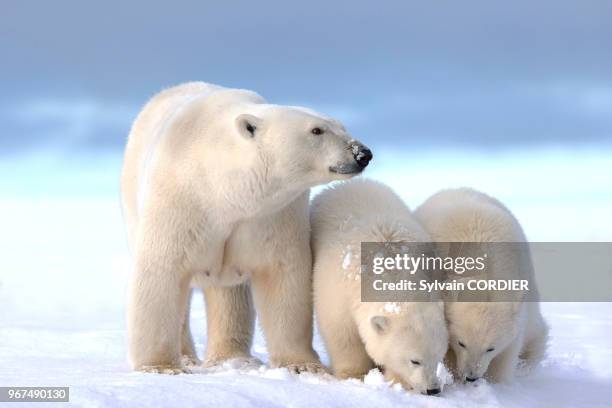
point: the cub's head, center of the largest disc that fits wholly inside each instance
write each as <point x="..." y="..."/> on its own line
<point x="478" y="332"/>
<point x="301" y="146"/>
<point x="410" y="344"/>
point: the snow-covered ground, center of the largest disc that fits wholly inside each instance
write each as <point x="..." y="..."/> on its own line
<point x="91" y="361"/>
<point x="64" y="266"/>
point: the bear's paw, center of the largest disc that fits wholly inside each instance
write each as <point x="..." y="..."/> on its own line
<point x="165" y="369"/>
<point x="307" y="367"/>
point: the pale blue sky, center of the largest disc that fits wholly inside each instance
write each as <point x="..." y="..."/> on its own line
<point x="474" y="74"/>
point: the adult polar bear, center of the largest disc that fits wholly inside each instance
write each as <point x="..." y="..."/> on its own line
<point x="215" y="188"/>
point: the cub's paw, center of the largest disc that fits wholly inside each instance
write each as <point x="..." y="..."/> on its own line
<point x="307" y="367"/>
<point x="165" y="369"/>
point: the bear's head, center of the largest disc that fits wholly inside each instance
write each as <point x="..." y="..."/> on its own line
<point x="411" y="344"/>
<point x="293" y="149"/>
<point x="479" y="331"/>
<point x="252" y="157"/>
<point x="304" y="144"/>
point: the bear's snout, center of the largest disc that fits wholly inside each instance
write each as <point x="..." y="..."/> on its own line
<point x="433" y="391"/>
<point x="361" y="158"/>
<point x="362" y="154"/>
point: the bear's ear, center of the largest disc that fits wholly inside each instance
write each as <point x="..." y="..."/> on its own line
<point x="248" y="125"/>
<point x="380" y="324"/>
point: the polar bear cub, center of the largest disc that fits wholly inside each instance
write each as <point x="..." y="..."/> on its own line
<point x="409" y="340"/>
<point x="486" y="338"/>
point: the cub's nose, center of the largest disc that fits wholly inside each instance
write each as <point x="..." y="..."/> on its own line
<point x="433" y="391"/>
<point x="362" y="155"/>
<point x="471" y="379"/>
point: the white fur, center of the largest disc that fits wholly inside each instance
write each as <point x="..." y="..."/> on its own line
<point x="209" y="204"/>
<point x="342" y="217"/>
<point x="513" y="329"/>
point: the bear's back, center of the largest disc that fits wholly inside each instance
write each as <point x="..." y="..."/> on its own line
<point x="158" y="111"/>
<point x="346" y="215"/>
<point x="151" y="125"/>
<point x="370" y="210"/>
<point x="145" y="131"/>
<point x="467" y="215"/>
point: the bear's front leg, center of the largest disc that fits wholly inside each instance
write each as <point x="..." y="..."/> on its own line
<point x="502" y="367"/>
<point x="283" y="299"/>
<point x="230" y="322"/>
<point x="156" y="311"/>
<point x="349" y="358"/>
<point x="450" y="362"/>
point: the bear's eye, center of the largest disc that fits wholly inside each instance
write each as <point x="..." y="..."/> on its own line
<point x="250" y="128"/>
<point x="461" y="344"/>
<point x="317" y="131"/>
<point x="490" y="349"/>
<point x="416" y="363"/>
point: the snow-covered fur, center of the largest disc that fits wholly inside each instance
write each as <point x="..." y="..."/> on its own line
<point x="215" y="190"/>
<point x="486" y="338"/>
<point x="408" y="339"/>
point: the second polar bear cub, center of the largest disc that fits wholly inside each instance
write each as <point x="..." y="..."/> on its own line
<point x="487" y="338"/>
<point x="409" y="340"/>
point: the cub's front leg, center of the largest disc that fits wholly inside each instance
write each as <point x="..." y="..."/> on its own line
<point x="503" y="366"/>
<point x="347" y="353"/>
<point x="450" y="361"/>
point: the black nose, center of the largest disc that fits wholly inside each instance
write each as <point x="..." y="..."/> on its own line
<point x="362" y="155"/>
<point x="471" y="379"/>
<point x="433" y="391"/>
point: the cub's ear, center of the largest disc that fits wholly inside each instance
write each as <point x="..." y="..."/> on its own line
<point x="248" y="125"/>
<point x="380" y="324"/>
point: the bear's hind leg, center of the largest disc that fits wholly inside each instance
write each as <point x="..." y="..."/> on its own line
<point x="230" y="321"/>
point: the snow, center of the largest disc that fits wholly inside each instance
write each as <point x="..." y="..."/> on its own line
<point x="63" y="275"/>
<point x="91" y="361"/>
<point x="346" y="261"/>
<point x="392" y="307"/>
